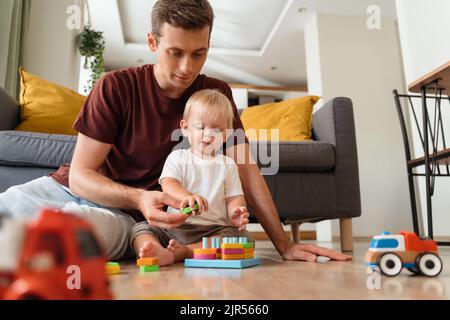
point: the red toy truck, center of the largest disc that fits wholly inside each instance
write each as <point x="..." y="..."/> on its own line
<point x="392" y="252"/>
<point x="39" y="257"/>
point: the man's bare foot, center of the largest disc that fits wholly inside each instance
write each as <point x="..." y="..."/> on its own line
<point x="180" y="251"/>
<point x="150" y="249"/>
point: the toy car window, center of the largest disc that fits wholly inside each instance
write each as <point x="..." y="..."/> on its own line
<point x="51" y="243"/>
<point x="89" y="247"/>
<point x="385" y="243"/>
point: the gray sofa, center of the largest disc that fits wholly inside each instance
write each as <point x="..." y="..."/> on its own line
<point x="317" y="180"/>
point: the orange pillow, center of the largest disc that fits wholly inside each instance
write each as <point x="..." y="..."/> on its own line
<point x="293" y="119"/>
<point x="47" y="107"/>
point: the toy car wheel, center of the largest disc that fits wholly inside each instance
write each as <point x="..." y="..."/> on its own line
<point x="390" y="264"/>
<point x="429" y="264"/>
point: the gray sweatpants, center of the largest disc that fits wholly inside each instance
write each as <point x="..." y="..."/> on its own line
<point x="112" y="226"/>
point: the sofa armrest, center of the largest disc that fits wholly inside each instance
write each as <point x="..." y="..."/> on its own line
<point x="334" y="123"/>
<point x="9" y="111"/>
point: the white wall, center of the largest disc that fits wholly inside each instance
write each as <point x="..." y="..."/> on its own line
<point x="240" y="97"/>
<point x="50" y="48"/>
<point x="424" y="28"/>
<point x="345" y="58"/>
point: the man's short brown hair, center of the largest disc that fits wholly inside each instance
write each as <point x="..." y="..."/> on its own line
<point x="186" y="14"/>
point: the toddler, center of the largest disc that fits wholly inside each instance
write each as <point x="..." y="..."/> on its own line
<point x="199" y="175"/>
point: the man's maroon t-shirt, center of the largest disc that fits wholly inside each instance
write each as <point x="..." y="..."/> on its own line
<point x="128" y="110"/>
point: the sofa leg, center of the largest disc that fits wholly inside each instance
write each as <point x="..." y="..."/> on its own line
<point x="346" y="231"/>
<point x="295" y="227"/>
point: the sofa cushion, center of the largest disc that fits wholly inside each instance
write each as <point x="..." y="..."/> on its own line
<point x="51" y="150"/>
<point x="13" y="176"/>
<point x="35" y="149"/>
<point x="298" y="156"/>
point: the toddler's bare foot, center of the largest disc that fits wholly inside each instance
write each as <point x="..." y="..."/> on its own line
<point x="180" y="251"/>
<point x="149" y="249"/>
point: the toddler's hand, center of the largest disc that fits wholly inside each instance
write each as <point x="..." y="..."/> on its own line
<point x="239" y="217"/>
<point x="190" y="201"/>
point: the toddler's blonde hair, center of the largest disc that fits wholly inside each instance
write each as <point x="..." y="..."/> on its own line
<point x="210" y="104"/>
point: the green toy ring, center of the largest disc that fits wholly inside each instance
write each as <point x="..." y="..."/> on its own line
<point x="188" y="210"/>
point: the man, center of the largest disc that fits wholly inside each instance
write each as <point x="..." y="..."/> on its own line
<point x="125" y="131"/>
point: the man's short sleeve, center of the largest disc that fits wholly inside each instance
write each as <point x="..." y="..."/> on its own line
<point x="233" y="185"/>
<point x="172" y="167"/>
<point x="102" y="113"/>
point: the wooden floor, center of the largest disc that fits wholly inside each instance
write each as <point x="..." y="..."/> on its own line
<point x="277" y="279"/>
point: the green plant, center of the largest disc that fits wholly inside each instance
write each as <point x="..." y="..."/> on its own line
<point x="92" y="46"/>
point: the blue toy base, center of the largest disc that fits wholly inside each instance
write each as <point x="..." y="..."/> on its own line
<point x="227" y="264"/>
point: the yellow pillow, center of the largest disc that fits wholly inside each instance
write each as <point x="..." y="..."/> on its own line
<point x="292" y="117"/>
<point x="47" y="107"/>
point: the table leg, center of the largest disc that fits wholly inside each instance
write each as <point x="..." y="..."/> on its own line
<point x="427" y="162"/>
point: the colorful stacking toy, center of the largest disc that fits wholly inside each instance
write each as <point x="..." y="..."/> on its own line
<point x="232" y="252"/>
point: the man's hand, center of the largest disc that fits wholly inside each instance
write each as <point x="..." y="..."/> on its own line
<point x="239" y="217"/>
<point x="151" y="204"/>
<point x="190" y="201"/>
<point x="309" y="252"/>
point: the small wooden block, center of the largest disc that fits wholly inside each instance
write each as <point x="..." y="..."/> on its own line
<point x="249" y="250"/>
<point x="147" y="261"/>
<point x="232" y="256"/>
<point x="111" y="269"/>
<point x="205" y="251"/>
<point x="249" y="245"/>
<point x="231" y="245"/>
<point x="249" y="255"/>
<point x="148" y="268"/>
<point x="112" y="264"/>
<point x="233" y="251"/>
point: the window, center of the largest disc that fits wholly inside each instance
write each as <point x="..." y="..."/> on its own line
<point x="384" y="243"/>
<point x="51" y="243"/>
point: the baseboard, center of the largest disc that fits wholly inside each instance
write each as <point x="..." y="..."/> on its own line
<point x="303" y="235"/>
<point x="358" y="239"/>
